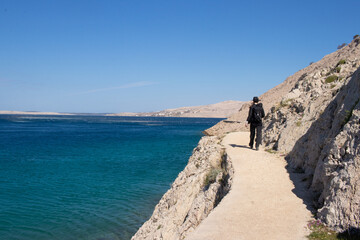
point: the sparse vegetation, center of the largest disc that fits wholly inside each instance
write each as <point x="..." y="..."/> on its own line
<point x="348" y="113"/>
<point x="338" y="69"/>
<point x="302" y="77"/>
<point x="333" y="85"/>
<point x="356" y="36"/>
<point x="269" y="150"/>
<point x="342" y="61"/>
<point x="286" y="103"/>
<point x="331" y="79"/>
<point x="298" y="123"/>
<point x="211" y="176"/>
<point x="320" y="231"/>
<point x="341" y="46"/>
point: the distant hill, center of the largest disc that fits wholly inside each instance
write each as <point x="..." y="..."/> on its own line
<point x="217" y="110"/>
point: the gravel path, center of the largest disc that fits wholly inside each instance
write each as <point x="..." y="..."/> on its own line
<point x="262" y="203"/>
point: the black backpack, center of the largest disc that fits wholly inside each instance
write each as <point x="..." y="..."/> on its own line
<point x="256" y="115"/>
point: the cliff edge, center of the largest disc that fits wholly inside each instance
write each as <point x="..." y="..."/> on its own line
<point x="194" y="193"/>
<point x="313" y="119"/>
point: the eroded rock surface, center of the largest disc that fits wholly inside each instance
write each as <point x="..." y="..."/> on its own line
<point x="317" y="125"/>
<point x="314" y="118"/>
<point x="194" y="193"/>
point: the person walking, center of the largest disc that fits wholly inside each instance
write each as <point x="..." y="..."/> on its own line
<point x="256" y="114"/>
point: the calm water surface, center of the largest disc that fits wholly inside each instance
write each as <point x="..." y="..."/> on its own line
<point x="88" y="177"/>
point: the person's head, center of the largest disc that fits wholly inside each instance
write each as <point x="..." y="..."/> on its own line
<point x="255" y="99"/>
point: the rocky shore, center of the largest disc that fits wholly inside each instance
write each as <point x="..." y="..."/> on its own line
<point x="313" y="119"/>
<point x="196" y="191"/>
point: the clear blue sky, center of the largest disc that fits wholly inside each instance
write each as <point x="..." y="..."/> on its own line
<point x="118" y="56"/>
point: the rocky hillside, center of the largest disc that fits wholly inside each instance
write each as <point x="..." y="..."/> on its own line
<point x="314" y="118"/>
<point x="274" y="96"/>
<point x="217" y="110"/>
<point x="194" y="193"/>
<point x="317" y="125"/>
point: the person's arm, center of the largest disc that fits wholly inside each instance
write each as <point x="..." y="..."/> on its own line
<point x="262" y="113"/>
<point x="250" y="114"/>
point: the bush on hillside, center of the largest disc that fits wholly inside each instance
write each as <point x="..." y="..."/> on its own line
<point x="341" y="46"/>
<point x="342" y="61"/>
<point x="331" y="79"/>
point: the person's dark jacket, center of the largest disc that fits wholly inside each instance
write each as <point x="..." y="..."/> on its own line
<point x="256" y="108"/>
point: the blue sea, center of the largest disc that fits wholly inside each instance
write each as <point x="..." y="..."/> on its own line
<point x="88" y="177"/>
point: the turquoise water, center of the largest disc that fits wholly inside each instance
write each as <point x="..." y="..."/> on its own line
<point x="88" y="177"/>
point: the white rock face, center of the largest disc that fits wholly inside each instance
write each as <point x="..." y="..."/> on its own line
<point x="195" y="192"/>
<point x="317" y="125"/>
<point x="314" y="119"/>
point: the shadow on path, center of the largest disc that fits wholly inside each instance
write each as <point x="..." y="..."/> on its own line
<point x="239" y="146"/>
<point x="301" y="187"/>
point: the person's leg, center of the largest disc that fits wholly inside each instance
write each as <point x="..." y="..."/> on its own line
<point x="258" y="137"/>
<point x="252" y="135"/>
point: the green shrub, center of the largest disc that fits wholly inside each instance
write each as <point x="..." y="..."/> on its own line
<point x="286" y="102"/>
<point x="338" y="69"/>
<point x="342" y="61"/>
<point x="333" y="85"/>
<point x="331" y="79"/>
<point x="298" y="123"/>
<point x="211" y="176"/>
<point x="320" y="231"/>
<point x="348" y="113"/>
<point x="269" y="150"/>
<point x="341" y="46"/>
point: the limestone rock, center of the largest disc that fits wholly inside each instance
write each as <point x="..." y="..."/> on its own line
<point x="317" y="125"/>
<point x="194" y="193"/>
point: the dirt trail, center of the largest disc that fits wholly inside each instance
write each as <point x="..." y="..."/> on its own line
<point x="261" y="203"/>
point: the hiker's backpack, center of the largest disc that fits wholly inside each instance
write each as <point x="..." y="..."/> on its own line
<point x="256" y="118"/>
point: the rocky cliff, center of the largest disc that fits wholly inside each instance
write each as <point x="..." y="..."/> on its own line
<point x="317" y="125"/>
<point x="194" y="193"/>
<point x="314" y="118"/>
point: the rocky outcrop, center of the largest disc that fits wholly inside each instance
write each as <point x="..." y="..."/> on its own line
<point x="194" y="193"/>
<point x="317" y="125"/>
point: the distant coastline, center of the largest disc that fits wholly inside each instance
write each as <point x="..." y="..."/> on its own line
<point x="33" y="113"/>
<point x="217" y="110"/>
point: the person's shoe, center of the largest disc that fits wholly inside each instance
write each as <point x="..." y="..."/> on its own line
<point x="257" y="148"/>
<point x="251" y="147"/>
